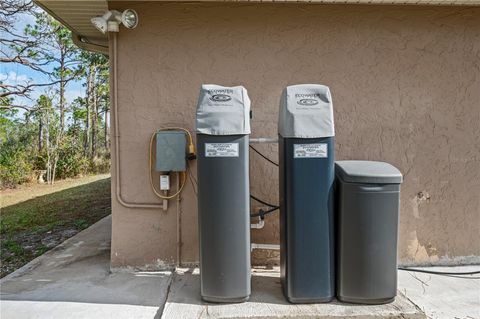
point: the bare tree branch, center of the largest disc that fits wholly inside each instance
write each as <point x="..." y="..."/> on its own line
<point x="11" y="8"/>
<point x="16" y="106"/>
<point x="22" y="90"/>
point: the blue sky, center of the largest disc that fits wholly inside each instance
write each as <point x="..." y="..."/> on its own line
<point x="12" y="73"/>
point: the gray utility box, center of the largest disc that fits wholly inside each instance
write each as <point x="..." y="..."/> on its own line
<point x="223" y="128"/>
<point x="306" y="167"/>
<point x="368" y="201"/>
<point x="171" y="151"/>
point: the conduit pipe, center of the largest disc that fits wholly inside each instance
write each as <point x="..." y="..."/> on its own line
<point x="118" y="192"/>
<point x="179" y="223"/>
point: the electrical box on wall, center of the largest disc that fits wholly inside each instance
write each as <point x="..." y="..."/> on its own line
<point x="171" y="151"/>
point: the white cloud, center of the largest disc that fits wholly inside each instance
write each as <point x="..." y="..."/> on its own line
<point x="12" y="78"/>
<point x="72" y="94"/>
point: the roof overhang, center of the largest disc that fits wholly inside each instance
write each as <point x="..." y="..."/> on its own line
<point x="76" y="14"/>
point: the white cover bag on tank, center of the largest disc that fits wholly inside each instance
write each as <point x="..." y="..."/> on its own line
<point x="223" y="110"/>
<point x="306" y="111"/>
<point x="223" y="128"/>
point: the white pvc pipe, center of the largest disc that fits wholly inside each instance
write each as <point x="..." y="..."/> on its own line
<point x="261" y="222"/>
<point x="264" y="246"/>
<point x="257" y="140"/>
<point x="259" y="225"/>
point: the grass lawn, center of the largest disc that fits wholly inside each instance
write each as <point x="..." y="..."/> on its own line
<point x="36" y="218"/>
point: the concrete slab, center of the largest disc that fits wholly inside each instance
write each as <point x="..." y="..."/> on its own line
<point x="74" y="280"/>
<point x="443" y="296"/>
<point x="268" y="302"/>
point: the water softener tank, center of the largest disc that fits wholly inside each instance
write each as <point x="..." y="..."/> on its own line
<point x="223" y="128"/>
<point x="306" y="160"/>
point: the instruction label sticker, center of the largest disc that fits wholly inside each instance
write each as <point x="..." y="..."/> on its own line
<point x="164" y="182"/>
<point x="221" y="149"/>
<point x="310" y="150"/>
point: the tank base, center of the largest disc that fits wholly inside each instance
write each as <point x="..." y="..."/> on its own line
<point x="225" y="300"/>
<point x="380" y="301"/>
<point x="308" y="300"/>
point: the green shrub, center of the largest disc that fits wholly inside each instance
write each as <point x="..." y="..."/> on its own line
<point x="15" y="166"/>
<point x="71" y="161"/>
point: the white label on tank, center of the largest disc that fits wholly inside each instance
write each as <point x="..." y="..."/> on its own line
<point x="221" y="149"/>
<point x="310" y="150"/>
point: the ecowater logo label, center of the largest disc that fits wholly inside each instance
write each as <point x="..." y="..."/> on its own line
<point x="307" y="99"/>
<point x="307" y="102"/>
<point x="220" y="95"/>
<point x="220" y="98"/>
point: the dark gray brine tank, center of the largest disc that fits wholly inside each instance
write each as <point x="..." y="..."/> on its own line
<point x="223" y="128"/>
<point x="368" y="201"/>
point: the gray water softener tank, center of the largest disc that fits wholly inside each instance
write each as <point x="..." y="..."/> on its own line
<point x="223" y="128"/>
<point x="306" y="160"/>
<point x="368" y="200"/>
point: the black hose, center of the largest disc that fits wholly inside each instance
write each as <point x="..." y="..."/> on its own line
<point x="447" y="273"/>
<point x="261" y="213"/>
<point x="262" y="201"/>
<point x="258" y="152"/>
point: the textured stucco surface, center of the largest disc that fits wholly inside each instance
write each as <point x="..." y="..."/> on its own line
<point x="405" y="83"/>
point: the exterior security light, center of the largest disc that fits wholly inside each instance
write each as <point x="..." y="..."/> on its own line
<point x="110" y="20"/>
<point x="100" y="24"/>
<point x="130" y="18"/>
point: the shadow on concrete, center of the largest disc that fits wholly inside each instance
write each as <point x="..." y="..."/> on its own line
<point x="75" y="276"/>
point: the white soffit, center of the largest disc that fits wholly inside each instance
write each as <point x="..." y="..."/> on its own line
<point x="76" y="15"/>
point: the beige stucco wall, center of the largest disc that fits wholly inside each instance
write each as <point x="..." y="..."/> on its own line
<point x="406" y="90"/>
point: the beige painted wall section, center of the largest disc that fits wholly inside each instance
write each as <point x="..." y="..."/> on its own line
<point x="406" y="90"/>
